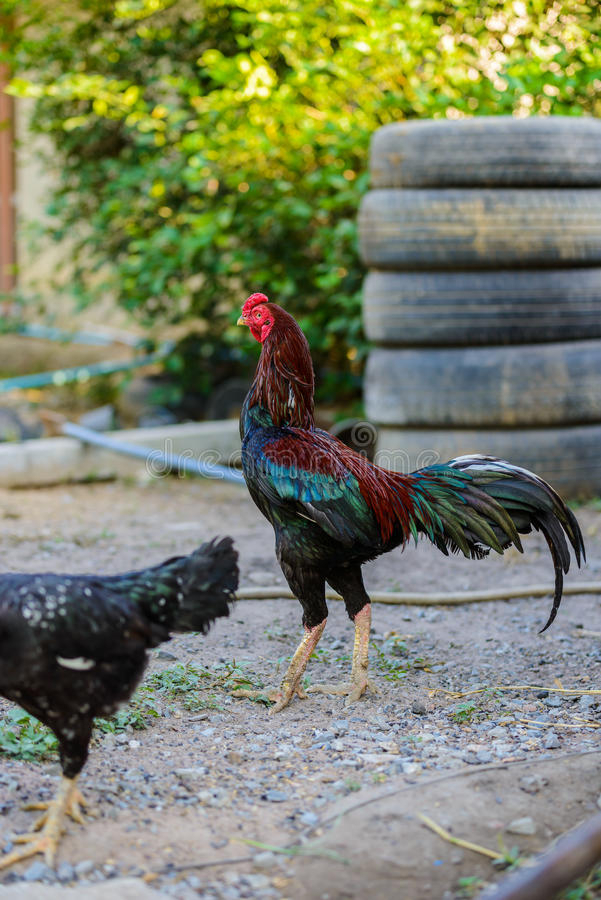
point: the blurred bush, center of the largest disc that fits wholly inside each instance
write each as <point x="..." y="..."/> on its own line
<point x="204" y="150"/>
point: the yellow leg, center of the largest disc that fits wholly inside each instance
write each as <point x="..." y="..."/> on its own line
<point x="291" y="681"/>
<point x="359" y="683"/>
<point x="47" y="830"/>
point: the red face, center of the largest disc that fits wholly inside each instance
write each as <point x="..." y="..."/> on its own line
<point x="258" y="316"/>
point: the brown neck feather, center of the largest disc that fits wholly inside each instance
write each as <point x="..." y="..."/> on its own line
<point x="284" y="380"/>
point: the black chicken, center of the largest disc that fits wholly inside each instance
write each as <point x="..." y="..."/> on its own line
<point x="73" y="647"/>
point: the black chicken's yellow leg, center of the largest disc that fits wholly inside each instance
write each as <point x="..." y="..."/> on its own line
<point x="359" y="683"/>
<point x="48" y="829"/>
<point x="291" y="681"/>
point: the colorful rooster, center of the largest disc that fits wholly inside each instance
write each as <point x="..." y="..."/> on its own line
<point x="332" y="510"/>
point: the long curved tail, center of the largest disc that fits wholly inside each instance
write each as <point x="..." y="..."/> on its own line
<point x="477" y="503"/>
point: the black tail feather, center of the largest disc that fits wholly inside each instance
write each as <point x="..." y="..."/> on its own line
<point x="184" y="593"/>
<point x="209" y="577"/>
<point x="530" y="503"/>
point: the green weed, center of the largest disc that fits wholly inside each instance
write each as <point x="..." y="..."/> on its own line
<point x="464" y="713"/>
<point x="136" y="715"/>
<point x="588" y="888"/>
<point x="23" y="737"/>
<point x="468" y="887"/>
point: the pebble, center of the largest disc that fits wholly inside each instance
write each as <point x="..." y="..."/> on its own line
<point x="525" y="825"/>
<point x="419" y="708"/>
<point x="165" y="654"/>
<point x="553" y="700"/>
<point x="309" y="818"/>
<point x="39" y="871"/>
<point x="551" y="741"/>
<point x="256" y="881"/>
<point x="84" y="868"/>
<point x="484" y="756"/>
<point x="65" y="872"/>
<point x="498" y="732"/>
<point x="532" y="784"/>
<point x="274" y="796"/>
<point x="265" y="860"/>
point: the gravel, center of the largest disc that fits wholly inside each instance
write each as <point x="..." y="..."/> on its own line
<point x="198" y="780"/>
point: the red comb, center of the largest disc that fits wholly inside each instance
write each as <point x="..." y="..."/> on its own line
<point x="253" y="300"/>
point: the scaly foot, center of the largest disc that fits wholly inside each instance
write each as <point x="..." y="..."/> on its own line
<point x="352" y="690"/>
<point x="277" y="695"/>
<point x="291" y="682"/>
<point x="72" y="808"/>
<point x="67" y="801"/>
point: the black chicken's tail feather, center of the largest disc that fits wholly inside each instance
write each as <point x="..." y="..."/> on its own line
<point x="185" y="593"/>
<point x="209" y="578"/>
<point x="530" y="503"/>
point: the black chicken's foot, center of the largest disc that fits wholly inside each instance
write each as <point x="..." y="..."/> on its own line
<point x="73" y="808"/>
<point x="46" y="840"/>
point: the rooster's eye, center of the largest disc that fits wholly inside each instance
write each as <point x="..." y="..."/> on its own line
<point x="258" y="315"/>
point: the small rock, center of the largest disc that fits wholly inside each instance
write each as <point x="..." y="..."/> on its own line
<point x="532" y="784"/>
<point x="39" y="871"/>
<point x="502" y="749"/>
<point x="84" y="868"/>
<point x="65" y="872"/>
<point x="525" y="825"/>
<point x="257" y="881"/>
<point x="309" y="818"/>
<point x="235" y="758"/>
<point x="551" y="741"/>
<point x="553" y="700"/>
<point x="498" y="732"/>
<point x="264" y="860"/>
<point x="484" y="756"/>
<point x="165" y="654"/>
<point x="419" y="708"/>
<point x="599" y="801"/>
<point x="274" y="796"/>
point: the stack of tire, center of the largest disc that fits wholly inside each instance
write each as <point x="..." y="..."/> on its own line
<point x="483" y="299"/>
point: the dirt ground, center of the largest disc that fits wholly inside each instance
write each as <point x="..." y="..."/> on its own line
<point x="320" y="801"/>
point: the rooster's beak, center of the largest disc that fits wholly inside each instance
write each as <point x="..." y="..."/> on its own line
<point x="241" y="321"/>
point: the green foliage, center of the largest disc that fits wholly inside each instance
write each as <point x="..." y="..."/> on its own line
<point x="588" y="888"/>
<point x="195" y="688"/>
<point x="206" y="150"/>
<point x="136" y="714"/>
<point x="468" y="887"/>
<point x="23" y="737"/>
<point x="464" y="713"/>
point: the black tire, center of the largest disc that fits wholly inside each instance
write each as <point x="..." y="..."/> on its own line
<point x="568" y="458"/>
<point x="498" y="307"/>
<point x="528" y="385"/>
<point x="480" y="228"/>
<point x="488" y="151"/>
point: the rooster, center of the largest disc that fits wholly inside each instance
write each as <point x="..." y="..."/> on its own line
<point x="332" y="510"/>
<point x="73" y="647"/>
